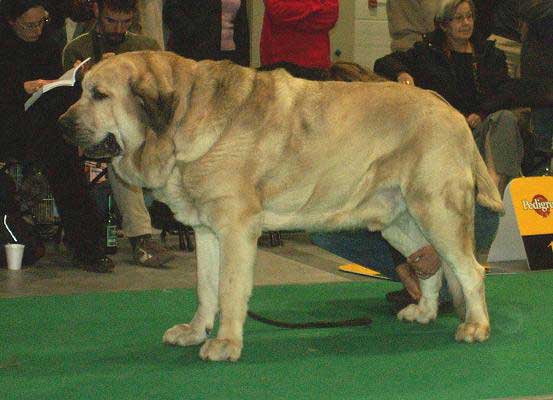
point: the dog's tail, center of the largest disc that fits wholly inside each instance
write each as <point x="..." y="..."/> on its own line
<point x="487" y="194"/>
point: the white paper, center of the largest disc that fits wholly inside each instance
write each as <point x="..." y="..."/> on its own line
<point x="67" y="79"/>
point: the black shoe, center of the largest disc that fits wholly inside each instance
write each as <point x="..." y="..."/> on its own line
<point x="400" y="296"/>
<point x="399" y="300"/>
<point x="100" y="264"/>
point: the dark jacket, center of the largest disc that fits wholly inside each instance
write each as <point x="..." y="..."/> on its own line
<point x="21" y="61"/>
<point x="195" y="29"/>
<point x="432" y="69"/>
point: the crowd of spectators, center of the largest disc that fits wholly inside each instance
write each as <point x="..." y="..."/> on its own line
<point x="437" y="45"/>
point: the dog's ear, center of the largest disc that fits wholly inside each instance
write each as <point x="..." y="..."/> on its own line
<point x="156" y="100"/>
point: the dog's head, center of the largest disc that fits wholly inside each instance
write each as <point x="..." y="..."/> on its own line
<point x="125" y="99"/>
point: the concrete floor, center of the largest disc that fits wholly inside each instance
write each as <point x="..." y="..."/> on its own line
<point x="296" y="262"/>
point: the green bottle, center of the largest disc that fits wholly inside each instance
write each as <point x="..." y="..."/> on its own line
<point x="111" y="228"/>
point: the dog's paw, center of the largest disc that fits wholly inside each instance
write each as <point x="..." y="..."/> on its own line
<point x="184" y="335"/>
<point x="221" y="350"/>
<point x="471" y="332"/>
<point x="415" y="312"/>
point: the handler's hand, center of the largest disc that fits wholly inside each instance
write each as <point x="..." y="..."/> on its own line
<point x="474" y="120"/>
<point x="32" y="86"/>
<point x="409" y="279"/>
<point x="425" y="262"/>
<point x="373" y="3"/>
<point x="407" y="79"/>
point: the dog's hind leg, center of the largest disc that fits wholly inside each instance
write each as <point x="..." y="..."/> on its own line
<point x="455" y="289"/>
<point x="447" y="221"/>
<point x="197" y="331"/>
<point x="404" y="234"/>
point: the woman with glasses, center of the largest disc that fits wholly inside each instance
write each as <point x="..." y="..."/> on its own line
<point x="472" y="75"/>
<point x="29" y="58"/>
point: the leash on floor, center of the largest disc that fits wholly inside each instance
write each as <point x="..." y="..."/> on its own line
<point x="310" y="325"/>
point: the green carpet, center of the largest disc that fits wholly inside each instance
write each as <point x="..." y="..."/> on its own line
<point x="108" y="346"/>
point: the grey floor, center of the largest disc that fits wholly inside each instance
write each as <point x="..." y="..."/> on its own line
<point x="297" y="261"/>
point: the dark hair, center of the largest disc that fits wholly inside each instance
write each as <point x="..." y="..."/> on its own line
<point x="13" y="9"/>
<point x="117" y="5"/>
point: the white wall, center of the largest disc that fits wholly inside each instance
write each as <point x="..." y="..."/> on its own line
<point x="371" y="37"/>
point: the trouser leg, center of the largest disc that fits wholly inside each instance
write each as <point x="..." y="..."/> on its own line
<point x="130" y="202"/>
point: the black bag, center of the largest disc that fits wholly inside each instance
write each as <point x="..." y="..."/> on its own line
<point x="11" y="216"/>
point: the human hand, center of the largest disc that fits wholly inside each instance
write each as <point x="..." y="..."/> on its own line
<point x="107" y="55"/>
<point x="373" y="3"/>
<point x="409" y="279"/>
<point x="405" y="78"/>
<point x="425" y="262"/>
<point x="32" y="86"/>
<point x="474" y="120"/>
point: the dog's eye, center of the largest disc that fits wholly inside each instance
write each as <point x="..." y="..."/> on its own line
<point x="97" y="95"/>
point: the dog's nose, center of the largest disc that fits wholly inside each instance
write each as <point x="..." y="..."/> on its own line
<point x="68" y="126"/>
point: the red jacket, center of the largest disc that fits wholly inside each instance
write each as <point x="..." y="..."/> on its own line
<point x="296" y="31"/>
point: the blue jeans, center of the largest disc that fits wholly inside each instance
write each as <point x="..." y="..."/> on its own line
<point x="371" y="250"/>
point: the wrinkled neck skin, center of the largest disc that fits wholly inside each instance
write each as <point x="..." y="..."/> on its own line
<point x="150" y="165"/>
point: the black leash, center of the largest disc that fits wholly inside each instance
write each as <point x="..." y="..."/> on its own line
<point x="311" y="325"/>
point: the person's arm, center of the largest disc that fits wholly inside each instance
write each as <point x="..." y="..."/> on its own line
<point x="498" y="83"/>
<point x="396" y="63"/>
<point x="534" y="10"/>
<point x="307" y="15"/>
<point x="242" y="34"/>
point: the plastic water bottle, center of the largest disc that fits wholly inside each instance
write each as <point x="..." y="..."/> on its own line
<point x="111" y="228"/>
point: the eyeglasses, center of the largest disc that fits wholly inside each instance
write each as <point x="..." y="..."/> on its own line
<point x="29" y="26"/>
<point x="461" y="18"/>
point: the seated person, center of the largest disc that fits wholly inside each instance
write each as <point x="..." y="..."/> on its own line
<point x="28" y="59"/>
<point x="369" y="248"/>
<point x="110" y="36"/>
<point x="470" y="74"/>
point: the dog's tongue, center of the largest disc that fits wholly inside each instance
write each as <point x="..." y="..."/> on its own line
<point x="106" y="149"/>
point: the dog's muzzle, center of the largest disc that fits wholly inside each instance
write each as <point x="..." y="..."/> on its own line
<point x="107" y="148"/>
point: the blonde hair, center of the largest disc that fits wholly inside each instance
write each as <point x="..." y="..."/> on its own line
<point x="352" y="72"/>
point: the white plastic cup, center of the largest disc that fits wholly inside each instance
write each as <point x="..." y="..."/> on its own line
<point x="14" y="255"/>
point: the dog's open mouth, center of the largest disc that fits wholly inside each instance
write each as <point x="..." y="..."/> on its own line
<point x="107" y="148"/>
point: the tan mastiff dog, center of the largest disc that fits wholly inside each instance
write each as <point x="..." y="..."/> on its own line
<point x="233" y="152"/>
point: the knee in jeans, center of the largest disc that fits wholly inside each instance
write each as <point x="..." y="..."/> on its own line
<point x="506" y="117"/>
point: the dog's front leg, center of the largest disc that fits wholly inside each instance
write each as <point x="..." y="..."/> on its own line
<point x="238" y="245"/>
<point x="208" y="257"/>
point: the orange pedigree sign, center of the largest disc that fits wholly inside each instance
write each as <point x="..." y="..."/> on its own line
<point x="533" y="204"/>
